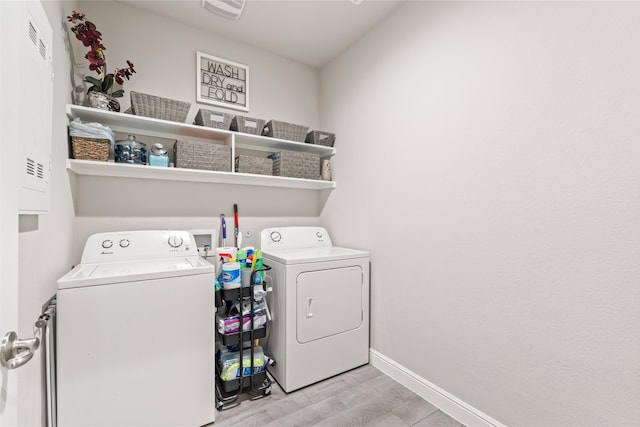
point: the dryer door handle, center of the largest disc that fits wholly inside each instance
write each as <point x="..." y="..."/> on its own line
<point x="309" y="307"/>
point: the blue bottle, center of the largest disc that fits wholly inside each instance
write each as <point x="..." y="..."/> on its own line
<point x="158" y="156"/>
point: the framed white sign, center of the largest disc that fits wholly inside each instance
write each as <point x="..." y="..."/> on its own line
<point x="221" y="82"/>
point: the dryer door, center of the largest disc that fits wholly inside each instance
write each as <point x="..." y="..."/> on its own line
<point x="329" y="302"/>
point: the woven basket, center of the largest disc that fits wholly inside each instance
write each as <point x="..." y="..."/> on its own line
<point x="156" y="107"/>
<point x="321" y="138"/>
<point x="213" y="119"/>
<point x="90" y="148"/>
<point x="247" y="125"/>
<point x="256" y="165"/>
<point x="284" y="130"/>
<point x="202" y="155"/>
<point x="296" y="165"/>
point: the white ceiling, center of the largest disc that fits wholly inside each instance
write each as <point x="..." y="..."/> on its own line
<point x="309" y="31"/>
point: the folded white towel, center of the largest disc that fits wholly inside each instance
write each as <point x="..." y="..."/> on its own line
<point x="91" y="130"/>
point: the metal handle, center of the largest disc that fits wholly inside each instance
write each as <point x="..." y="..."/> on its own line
<point x="15" y="352"/>
<point x="309" y="309"/>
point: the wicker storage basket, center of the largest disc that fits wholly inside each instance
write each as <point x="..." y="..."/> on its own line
<point x="247" y="125"/>
<point x="257" y="165"/>
<point x="319" y="137"/>
<point x="202" y="155"/>
<point x="159" y="108"/>
<point x="213" y="119"/>
<point x="296" y="165"/>
<point x="90" y="148"/>
<point x="284" y="130"/>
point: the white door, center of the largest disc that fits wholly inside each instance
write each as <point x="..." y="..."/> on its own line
<point x="10" y="18"/>
<point x="329" y="302"/>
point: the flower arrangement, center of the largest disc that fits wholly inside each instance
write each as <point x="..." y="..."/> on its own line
<point x="87" y="33"/>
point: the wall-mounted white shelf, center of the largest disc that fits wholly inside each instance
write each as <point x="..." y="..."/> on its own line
<point x="123" y="170"/>
<point x="129" y="123"/>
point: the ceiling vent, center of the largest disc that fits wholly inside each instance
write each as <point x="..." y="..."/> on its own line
<point x="230" y="9"/>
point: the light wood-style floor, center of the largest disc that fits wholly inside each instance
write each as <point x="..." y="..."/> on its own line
<point x="361" y="397"/>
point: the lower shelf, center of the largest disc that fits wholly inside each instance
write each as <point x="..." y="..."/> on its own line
<point x="233" y="386"/>
<point x="123" y="170"/>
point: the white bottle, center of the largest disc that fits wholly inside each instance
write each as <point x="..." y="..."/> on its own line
<point x="326" y="170"/>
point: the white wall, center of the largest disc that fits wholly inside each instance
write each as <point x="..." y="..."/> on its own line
<point x="164" y="54"/>
<point x="488" y="158"/>
<point x="45" y="244"/>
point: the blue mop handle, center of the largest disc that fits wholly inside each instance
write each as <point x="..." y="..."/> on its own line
<point x="224" y="230"/>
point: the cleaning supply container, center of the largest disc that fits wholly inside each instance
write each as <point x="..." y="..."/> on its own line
<point x="159" y="156"/>
<point x="231" y="275"/>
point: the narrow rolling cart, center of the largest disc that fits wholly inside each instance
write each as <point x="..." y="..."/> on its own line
<point x="241" y="365"/>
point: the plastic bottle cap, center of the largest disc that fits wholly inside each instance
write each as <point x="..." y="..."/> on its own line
<point x="158" y="149"/>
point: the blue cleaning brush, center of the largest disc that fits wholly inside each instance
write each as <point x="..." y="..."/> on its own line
<point x="223" y="225"/>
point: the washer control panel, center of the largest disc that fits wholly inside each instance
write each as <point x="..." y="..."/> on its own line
<point x="294" y="237"/>
<point x="143" y="244"/>
<point x="275" y="236"/>
<point x="175" y="241"/>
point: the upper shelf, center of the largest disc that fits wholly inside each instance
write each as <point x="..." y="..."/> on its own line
<point x="163" y="129"/>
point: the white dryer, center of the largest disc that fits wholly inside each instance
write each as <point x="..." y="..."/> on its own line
<point x="319" y="305"/>
<point x="135" y="333"/>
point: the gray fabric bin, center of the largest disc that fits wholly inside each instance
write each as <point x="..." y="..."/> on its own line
<point x="202" y="155"/>
<point x="284" y="130"/>
<point x="255" y="165"/>
<point x="213" y="119"/>
<point x="247" y="125"/>
<point x="296" y="165"/>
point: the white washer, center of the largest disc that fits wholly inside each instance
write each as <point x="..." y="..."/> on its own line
<point x="135" y="333"/>
<point x="319" y="305"/>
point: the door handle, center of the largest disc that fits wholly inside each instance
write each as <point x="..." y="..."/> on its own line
<point x="15" y="352"/>
<point x="309" y="309"/>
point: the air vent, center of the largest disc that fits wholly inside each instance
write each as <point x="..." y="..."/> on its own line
<point x="43" y="50"/>
<point x="31" y="169"/>
<point x="35" y="49"/>
<point x="33" y="34"/>
<point x="230" y="9"/>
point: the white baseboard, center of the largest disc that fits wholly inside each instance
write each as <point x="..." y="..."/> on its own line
<point x="446" y="402"/>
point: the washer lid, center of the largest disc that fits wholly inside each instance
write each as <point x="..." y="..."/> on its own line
<point x="84" y="275"/>
<point x="320" y="254"/>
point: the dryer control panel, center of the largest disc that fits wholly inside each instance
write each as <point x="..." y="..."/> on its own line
<point x="294" y="237"/>
<point x="138" y="245"/>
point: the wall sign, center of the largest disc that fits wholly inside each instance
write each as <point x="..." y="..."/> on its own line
<point x="221" y="82"/>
